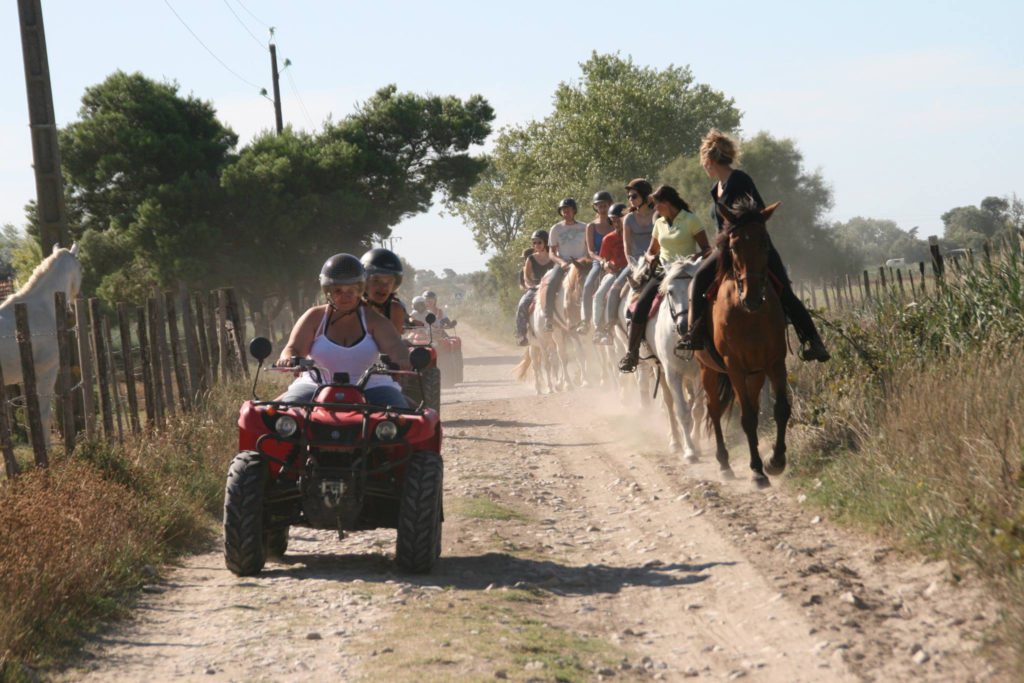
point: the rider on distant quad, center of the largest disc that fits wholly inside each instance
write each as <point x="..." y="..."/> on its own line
<point x="383" y="278"/>
<point x="442" y="318"/>
<point x="344" y="336"/>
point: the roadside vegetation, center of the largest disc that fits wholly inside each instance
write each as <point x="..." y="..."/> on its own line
<point x="78" y="539"/>
<point x="916" y="427"/>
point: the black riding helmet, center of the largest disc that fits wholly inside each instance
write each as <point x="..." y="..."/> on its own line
<point x="428" y="294"/>
<point x="568" y="201"/>
<point x="383" y="262"/>
<point x="540" y="235"/>
<point x="617" y="210"/>
<point x="603" y="196"/>
<point x="341" y="269"/>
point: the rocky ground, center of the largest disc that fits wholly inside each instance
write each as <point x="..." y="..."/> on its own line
<point x="576" y="548"/>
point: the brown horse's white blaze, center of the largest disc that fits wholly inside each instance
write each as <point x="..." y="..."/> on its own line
<point x="748" y="330"/>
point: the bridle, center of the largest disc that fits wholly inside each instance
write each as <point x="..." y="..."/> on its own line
<point x="742" y="279"/>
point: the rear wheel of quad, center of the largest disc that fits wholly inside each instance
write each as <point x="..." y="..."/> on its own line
<point x="419" y="514"/>
<point x="244" y="550"/>
<point x="459" y="366"/>
<point x="276" y="542"/>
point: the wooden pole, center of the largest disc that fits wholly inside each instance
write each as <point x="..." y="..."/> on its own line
<point x="102" y="370"/>
<point x="849" y="288"/>
<point x="64" y="383"/>
<point x="222" y="341"/>
<point x="85" y="363"/>
<point x="184" y="390"/>
<point x="920" y="267"/>
<point x="28" y="373"/>
<point x="115" y="386"/>
<point x="10" y="462"/>
<point x="152" y="411"/>
<point x="129" y="367"/>
<point x="899" y="280"/>
<point x="209" y="375"/>
<point x="913" y="289"/>
<point x="212" y="336"/>
<point x="165" y="355"/>
<point x="867" y="286"/>
<point x="188" y="324"/>
<point x="938" y="267"/>
<point x="237" y="319"/>
<point x="155" y="360"/>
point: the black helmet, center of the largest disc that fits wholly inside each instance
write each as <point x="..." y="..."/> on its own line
<point x="383" y="262"/>
<point x="540" y="235"/>
<point x="617" y="210"/>
<point x="342" y="269"/>
<point x="568" y="201"/>
<point x="428" y="294"/>
<point x="603" y="196"/>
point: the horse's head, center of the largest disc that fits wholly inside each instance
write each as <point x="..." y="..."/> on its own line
<point x="675" y="288"/>
<point x="67" y="264"/>
<point x="743" y="247"/>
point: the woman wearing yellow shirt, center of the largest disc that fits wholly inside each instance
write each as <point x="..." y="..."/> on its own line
<point x="677" y="234"/>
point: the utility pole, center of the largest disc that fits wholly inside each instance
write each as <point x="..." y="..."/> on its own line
<point x="277" y="88"/>
<point x="52" y="215"/>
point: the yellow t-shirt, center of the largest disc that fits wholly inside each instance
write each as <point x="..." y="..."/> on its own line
<point x="677" y="238"/>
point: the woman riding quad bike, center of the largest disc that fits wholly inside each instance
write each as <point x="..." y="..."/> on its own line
<point x="383" y="278"/>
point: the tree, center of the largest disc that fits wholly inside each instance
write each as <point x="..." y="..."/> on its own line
<point x="972" y="226"/>
<point x="873" y="241"/>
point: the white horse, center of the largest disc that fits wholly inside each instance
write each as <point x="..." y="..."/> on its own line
<point x="680" y="375"/>
<point x="59" y="272"/>
<point x="620" y="342"/>
<point x="555" y="349"/>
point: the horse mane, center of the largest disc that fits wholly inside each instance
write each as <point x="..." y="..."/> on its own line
<point x="673" y="271"/>
<point x="39" y="272"/>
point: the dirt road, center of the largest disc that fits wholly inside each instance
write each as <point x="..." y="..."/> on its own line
<point x="576" y="548"/>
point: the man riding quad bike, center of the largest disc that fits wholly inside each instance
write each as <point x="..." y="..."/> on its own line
<point x="342" y="448"/>
<point x="419" y="332"/>
<point x="447" y="343"/>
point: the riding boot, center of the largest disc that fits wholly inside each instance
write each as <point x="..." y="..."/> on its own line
<point x="632" y="357"/>
<point x="813" y="348"/>
<point x="694" y="339"/>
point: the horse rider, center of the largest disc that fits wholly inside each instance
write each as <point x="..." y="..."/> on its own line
<point x="383" y="278"/>
<point x="344" y="336"/>
<point x="443" y="321"/>
<point x="597" y="229"/>
<point x="718" y="152"/>
<point x="612" y="260"/>
<point x="677" y="234"/>
<point x="637" y="227"/>
<point x="536" y="262"/>
<point x="568" y="244"/>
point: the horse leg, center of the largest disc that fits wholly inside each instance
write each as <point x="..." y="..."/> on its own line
<point x="674" y="444"/>
<point x="709" y="378"/>
<point x="538" y="370"/>
<point x="748" y="389"/>
<point x="777" y="463"/>
<point x="679" y="415"/>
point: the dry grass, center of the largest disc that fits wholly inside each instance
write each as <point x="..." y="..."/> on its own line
<point x="75" y="540"/>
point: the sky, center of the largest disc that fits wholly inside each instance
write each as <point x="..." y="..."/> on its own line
<point x="907" y="108"/>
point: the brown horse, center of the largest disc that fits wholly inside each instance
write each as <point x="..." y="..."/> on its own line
<point x="748" y="330"/>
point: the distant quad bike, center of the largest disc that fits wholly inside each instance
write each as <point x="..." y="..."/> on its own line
<point x="336" y="462"/>
<point x="426" y="388"/>
<point x="450" y="354"/>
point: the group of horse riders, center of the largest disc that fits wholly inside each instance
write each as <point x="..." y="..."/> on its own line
<point x="655" y="229"/>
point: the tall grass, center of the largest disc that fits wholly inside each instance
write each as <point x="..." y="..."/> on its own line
<point x="78" y="538"/>
<point x="916" y="426"/>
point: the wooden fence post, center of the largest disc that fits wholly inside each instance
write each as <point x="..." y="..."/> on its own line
<point x="129" y="367"/>
<point x="102" y="371"/>
<point x="28" y="372"/>
<point x="222" y="340"/>
<point x="155" y="360"/>
<point x="213" y="337"/>
<point x="209" y="375"/>
<point x="938" y="267"/>
<point x="188" y="324"/>
<point x="867" y="286"/>
<point x="85" y="363"/>
<point x="64" y="379"/>
<point x="184" y="390"/>
<point x="824" y="294"/>
<point x="849" y="288"/>
<point x="237" y="319"/>
<point x="152" y="410"/>
<point x="10" y="462"/>
<point x="165" y="356"/>
<point x="899" y="279"/>
<point x="883" y="285"/>
<point x="115" y="386"/>
<point x="920" y="266"/>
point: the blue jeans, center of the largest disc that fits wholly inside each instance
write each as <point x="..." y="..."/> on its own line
<point x="600" y="306"/>
<point x="589" y="287"/>
<point x="523" y="312"/>
<point x="303" y="391"/>
<point x="615" y="298"/>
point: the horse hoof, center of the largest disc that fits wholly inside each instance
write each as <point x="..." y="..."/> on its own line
<point x="760" y="481"/>
<point x="727" y="474"/>
<point x="691" y="459"/>
<point x="773" y="468"/>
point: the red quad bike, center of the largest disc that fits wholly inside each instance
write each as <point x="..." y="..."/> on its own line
<point x="450" y="356"/>
<point x="336" y="462"/>
<point x="426" y="388"/>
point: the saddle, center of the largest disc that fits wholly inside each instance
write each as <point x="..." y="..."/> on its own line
<point x="655" y="305"/>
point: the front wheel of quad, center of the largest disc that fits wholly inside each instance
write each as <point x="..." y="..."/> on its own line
<point x="276" y="542"/>
<point x="419" y="514"/>
<point x="244" y="550"/>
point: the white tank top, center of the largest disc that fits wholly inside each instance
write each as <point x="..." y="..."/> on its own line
<point x="331" y="357"/>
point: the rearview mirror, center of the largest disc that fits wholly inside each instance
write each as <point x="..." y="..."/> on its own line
<point x="260" y="348"/>
<point x="431" y="318"/>
<point x="419" y="358"/>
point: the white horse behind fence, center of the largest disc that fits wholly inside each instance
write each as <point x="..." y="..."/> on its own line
<point x="59" y="272"/>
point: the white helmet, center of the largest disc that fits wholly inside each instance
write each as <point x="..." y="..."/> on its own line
<point x="419" y="304"/>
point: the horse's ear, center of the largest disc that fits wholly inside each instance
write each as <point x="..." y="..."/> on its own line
<point x="726" y="215"/>
<point x="56" y="248"/>
<point x="74" y="249"/>
<point x="767" y="211"/>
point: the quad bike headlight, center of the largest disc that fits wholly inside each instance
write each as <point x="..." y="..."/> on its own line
<point x="285" y="426"/>
<point x="386" y="430"/>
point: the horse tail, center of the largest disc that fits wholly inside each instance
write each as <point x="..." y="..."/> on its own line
<point x="524" y="366"/>
<point x="726" y="395"/>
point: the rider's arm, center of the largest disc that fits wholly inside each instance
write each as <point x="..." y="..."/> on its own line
<point x="627" y="236"/>
<point x="591" y="227"/>
<point x="555" y="257"/>
<point x="654" y="249"/>
<point x="702" y="242"/>
<point x="388" y="340"/>
<point x="300" y="341"/>
<point x="397" y="315"/>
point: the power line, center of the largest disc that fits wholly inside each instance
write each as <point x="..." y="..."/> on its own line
<point x="265" y="25"/>
<point x="243" y="25"/>
<point x="205" y="47"/>
<point x="302" y="105"/>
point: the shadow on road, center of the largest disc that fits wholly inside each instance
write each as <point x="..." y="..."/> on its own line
<point x="485" y="422"/>
<point x="500" y="569"/>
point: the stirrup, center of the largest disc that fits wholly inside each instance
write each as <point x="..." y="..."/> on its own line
<point x="629" y="362"/>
